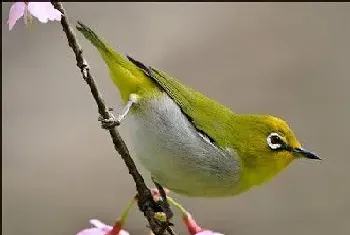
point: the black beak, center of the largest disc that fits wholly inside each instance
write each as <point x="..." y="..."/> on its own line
<point x="306" y="153"/>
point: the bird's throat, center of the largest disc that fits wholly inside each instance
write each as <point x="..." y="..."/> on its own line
<point x="259" y="173"/>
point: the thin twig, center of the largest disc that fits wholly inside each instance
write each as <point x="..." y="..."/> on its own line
<point x="145" y="200"/>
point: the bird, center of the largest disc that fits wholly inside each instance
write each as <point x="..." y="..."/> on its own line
<point x="190" y="143"/>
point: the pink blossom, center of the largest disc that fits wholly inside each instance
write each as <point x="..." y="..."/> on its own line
<point x="103" y="229"/>
<point x="193" y="227"/>
<point x="208" y="232"/>
<point x="44" y="11"/>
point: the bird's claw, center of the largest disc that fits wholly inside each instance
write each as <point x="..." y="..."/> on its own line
<point x="109" y="123"/>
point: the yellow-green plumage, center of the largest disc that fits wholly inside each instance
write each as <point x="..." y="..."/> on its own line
<point x="125" y="75"/>
<point x="223" y="126"/>
<point x="243" y="137"/>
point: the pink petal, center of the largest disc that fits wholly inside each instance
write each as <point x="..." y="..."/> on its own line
<point x="91" y="231"/>
<point x="208" y="232"/>
<point x="44" y="11"/>
<point x="100" y="229"/>
<point x="98" y="224"/>
<point x="191" y="225"/>
<point x="16" y="12"/>
<point x="194" y="229"/>
<point x="123" y="232"/>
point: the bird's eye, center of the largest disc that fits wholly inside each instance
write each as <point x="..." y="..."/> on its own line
<point x="275" y="141"/>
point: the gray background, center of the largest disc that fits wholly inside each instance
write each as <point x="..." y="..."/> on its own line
<point x="290" y="60"/>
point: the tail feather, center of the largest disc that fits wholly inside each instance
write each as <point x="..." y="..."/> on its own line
<point x="125" y="75"/>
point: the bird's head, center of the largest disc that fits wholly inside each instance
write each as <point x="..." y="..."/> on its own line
<point x="265" y="146"/>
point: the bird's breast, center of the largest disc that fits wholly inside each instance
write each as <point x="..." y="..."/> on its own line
<point x="177" y="155"/>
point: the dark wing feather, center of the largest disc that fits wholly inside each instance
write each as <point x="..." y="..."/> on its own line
<point x="207" y="115"/>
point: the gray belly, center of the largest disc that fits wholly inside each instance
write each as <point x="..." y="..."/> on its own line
<point x="176" y="154"/>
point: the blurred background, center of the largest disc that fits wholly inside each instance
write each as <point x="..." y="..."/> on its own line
<point x="59" y="168"/>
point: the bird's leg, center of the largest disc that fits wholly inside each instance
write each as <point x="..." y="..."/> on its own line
<point x="164" y="202"/>
<point x="112" y="122"/>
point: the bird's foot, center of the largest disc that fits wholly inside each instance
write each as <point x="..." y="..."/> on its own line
<point x="109" y="123"/>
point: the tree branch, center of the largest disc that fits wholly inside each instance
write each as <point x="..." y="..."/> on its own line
<point x="146" y="202"/>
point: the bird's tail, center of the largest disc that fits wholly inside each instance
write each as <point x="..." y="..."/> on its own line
<point x="125" y="75"/>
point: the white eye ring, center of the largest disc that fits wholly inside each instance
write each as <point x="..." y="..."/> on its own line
<point x="272" y="142"/>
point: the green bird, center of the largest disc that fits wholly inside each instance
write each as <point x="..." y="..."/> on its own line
<point x="192" y="144"/>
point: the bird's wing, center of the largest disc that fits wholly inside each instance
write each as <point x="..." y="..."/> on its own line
<point x="208" y="116"/>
